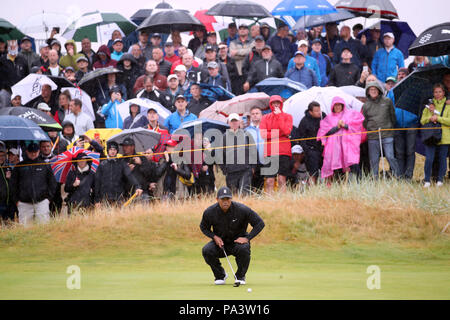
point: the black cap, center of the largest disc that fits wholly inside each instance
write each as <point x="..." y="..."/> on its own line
<point x="112" y="144"/>
<point x="115" y="89"/>
<point x="209" y="47"/>
<point x="259" y="38"/>
<point x="211" y="34"/>
<point x="243" y="26"/>
<point x="232" y="24"/>
<point x="316" y="40"/>
<point x="224" y="192"/>
<point x="26" y="38"/>
<point x="168" y="44"/>
<point x="346" y="48"/>
<point x="156" y="35"/>
<point x="33" y="147"/>
<point x="128" y="142"/>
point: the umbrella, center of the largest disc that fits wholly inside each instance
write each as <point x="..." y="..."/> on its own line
<point x="404" y="36"/>
<point x="39" y="117"/>
<point x="298" y="103"/>
<point x="86" y="101"/>
<point x="100" y="133"/>
<point x="433" y="42"/>
<point x="30" y="87"/>
<point x="98" y="27"/>
<point x="410" y="92"/>
<point x="139" y="16"/>
<point x="213" y="93"/>
<point x="61" y="81"/>
<point x="369" y="8"/>
<point x="166" y="21"/>
<point x="9" y="32"/>
<point x="220" y="110"/>
<point x="318" y="20"/>
<point x="91" y="80"/>
<point x="16" y="128"/>
<point x="239" y="9"/>
<point x="40" y="25"/>
<point x="62" y="163"/>
<point x="206" y="20"/>
<point x="201" y="125"/>
<point x="144" y="139"/>
<point x="145" y="104"/>
<point x="301" y="8"/>
<point x="280" y="86"/>
<point x="354" y="91"/>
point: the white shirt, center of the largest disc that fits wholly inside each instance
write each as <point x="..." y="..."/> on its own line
<point x="82" y="122"/>
<point x="54" y="71"/>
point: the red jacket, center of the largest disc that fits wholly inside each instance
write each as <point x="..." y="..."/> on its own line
<point x="109" y="63"/>
<point x="282" y="122"/>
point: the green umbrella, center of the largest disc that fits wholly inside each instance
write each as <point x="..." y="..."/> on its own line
<point x="98" y="27"/>
<point x="9" y="32"/>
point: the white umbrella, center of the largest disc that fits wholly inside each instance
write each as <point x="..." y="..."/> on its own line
<point x="39" y="26"/>
<point x="145" y="104"/>
<point x="30" y="87"/>
<point x="298" y="103"/>
<point x="77" y="93"/>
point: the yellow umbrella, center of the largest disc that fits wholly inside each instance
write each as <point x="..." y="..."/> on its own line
<point x="103" y="134"/>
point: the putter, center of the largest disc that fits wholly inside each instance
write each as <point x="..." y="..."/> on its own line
<point x="236" y="283"/>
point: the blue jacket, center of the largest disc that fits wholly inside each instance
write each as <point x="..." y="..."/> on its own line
<point x="258" y="140"/>
<point x="113" y="118"/>
<point x="174" y="121"/>
<point x="303" y="75"/>
<point x="282" y="49"/>
<point x="386" y="64"/>
<point x="325" y="66"/>
<point x="310" y="63"/>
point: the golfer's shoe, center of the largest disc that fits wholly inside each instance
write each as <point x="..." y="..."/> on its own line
<point x="221" y="281"/>
<point x="240" y="281"/>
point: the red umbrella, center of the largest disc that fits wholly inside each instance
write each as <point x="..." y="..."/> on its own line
<point x="206" y="20"/>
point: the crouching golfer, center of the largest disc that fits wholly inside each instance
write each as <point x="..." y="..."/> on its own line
<point x="229" y="221"/>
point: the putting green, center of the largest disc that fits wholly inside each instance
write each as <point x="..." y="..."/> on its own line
<point x="277" y="271"/>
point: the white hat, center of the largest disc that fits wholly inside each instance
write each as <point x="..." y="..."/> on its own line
<point x="43" y="107"/>
<point x="389" y="34"/>
<point x="14" y="151"/>
<point x="302" y="42"/>
<point x="172" y="76"/>
<point x="180" y="67"/>
<point x="297" y="149"/>
<point x="233" y="116"/>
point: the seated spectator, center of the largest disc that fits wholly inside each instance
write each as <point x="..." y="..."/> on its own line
<point x="116" y="35"/>
<point x="419" y="61"/>
<point x="86" y="50"/>
<point x="341" y="148"/>
<point x="136" y="51"/>
<point x="69" y="74"/>
<point x="174" y="121"/>
<point x="54" y="69"/>
<point x="267" y="67"/>
<point x="181" y="74"/>
<point x="81" y="121"/>
<point x="47" y="96"/>
<point x="68" y="132"/>
<point x="345" y="73"/>
<point x="211" y="56"/>
<point x="300" y="73"/>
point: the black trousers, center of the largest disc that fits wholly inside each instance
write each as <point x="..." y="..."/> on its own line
<point x="240" y="181"/>
<point x="211" y="253"/>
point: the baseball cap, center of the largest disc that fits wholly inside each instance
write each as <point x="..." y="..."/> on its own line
<point x="224" y="192"/>
<point x="180" y="67"/>
<point x="260" y="38"/>
<point x="303" y="43"/>
<point x="172" y="76"/>
<point x="115" y="88"/>
<point x="117" y="40"/>
<point x="265" y="25"/>
<point x="299" y="52"/>
<point x="180" y="96"/>
<point x="209" y="48"/>
<point x="222" y="45"/>
<point x="14" y="151"/>
<point x="316" y="40"/>
<point x="69" y="68"/>
<point x="389" y="34"/>
<point x="43" y="107"/>
<point x="212" y="65"/>
<point x="243" y="26"/>
<point x="232" y="24"/>
<point x="33" y="147"/>
<point x="156" y="35"/>
<point x="168" y="44"/>
<point x="26" y="38"/>
<point x="297" y="149"/>
<point x="209" y="34"/>
<point x="391" y="79"/>
<point x="171" y="143"/>
<point x="82" y="58"/>
<point x="233" y="116"/>
<point x="266" y="47"/>
<point x="127" y="142"/>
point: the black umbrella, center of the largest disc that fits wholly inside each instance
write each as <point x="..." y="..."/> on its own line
<point x="239" y="9"/>
<point x="141" y="15"/>
<point x="169" y="20"/>
<point x="434" y="41"/>
<point x="61" y="82"/>
<point x="16" y="128"/>
<point x="37" y="116"/>
<point x="93" y="78"/>
<point x="410" y="92"/>
<point x="319" y="20"/>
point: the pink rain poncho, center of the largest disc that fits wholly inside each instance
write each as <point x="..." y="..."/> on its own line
<point x="341" y="150"/>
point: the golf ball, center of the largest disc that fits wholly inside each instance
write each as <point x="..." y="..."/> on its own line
<point x="249" y="289"/>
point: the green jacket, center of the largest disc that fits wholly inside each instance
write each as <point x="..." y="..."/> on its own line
<point x="378" y="113"/>
<point x="443" y="119"/>
<point x="68" y="60"/>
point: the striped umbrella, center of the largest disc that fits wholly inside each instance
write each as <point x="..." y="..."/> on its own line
<point x="9" y="31"/>
<point x="98" y="27"/>
<point x="62" y="163"/>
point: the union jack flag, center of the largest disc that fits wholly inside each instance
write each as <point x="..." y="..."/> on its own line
<point x="63" y="163"/>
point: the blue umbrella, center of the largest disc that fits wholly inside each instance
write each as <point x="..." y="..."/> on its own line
<point x="283" y="87"/>
<point x="17" y="128"/>
<point x="294" y="9"/>
<point x="201" y="125"/>
<point x="404" y="36"/>
<point x="213" y="93"/>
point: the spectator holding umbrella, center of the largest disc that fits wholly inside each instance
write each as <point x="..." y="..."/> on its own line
<point x="387" y="60"/>
<point x="437" y="112"/>
<point x="110" y="82"/>
<point x="275" y="129"/>
<point x="300" y="73"/>
<point x="419" y="62"/>
<point x="341" y="148"/>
